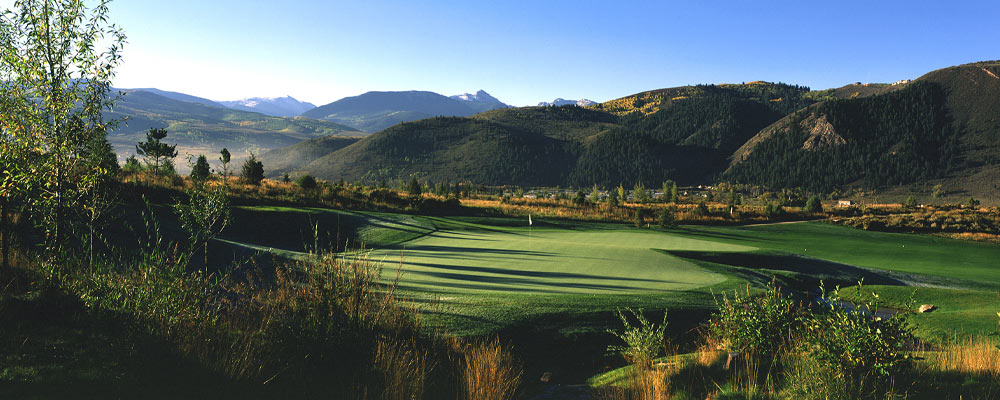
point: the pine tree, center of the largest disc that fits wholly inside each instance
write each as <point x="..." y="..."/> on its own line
<point x="253" y="171"/>
<point x="153" y="149"/>
<point x="200" y="171"/>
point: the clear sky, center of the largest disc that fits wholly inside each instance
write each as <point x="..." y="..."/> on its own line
<point x="524" y="52"/>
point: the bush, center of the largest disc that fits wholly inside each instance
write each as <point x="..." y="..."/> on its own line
<point x="701" y="210"/>
<point x="753" y="323"/>
<point x="855" y="344"/>
<point x="306" y="182"/>
<point x="667" y="219"/>
<point x="773" y="210"/>
<point x="813" y="205"/>
<point x="643" y="340"/>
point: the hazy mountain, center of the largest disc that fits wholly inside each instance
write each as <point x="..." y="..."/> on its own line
<point x="198" y="128"/>
<point x="374" y="111"/>
<point x="274" y="106"/>
<point x="179" y="96"/>
<point x="563" y="102"/>
<point x="288" y="160"/>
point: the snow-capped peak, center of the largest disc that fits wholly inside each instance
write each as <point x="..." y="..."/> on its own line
<point x="286" y="106"/>
<point x="563" y="102"/>
<point x="480" y="96"/>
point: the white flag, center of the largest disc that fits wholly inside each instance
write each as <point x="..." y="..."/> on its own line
<point x="529" y="219"/>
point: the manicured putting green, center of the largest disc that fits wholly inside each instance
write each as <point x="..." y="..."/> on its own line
<point x="551" y="260"/>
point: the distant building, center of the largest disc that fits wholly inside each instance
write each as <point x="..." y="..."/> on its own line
<point x="845" y="203"/>
<point x="902" y="82"/>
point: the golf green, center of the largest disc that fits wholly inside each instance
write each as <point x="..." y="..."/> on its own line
<point x="551" y="260"/>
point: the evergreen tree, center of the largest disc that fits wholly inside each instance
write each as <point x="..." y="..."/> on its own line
<point x="155" y="150"/>
<point x="225" y="157"/>
<point x="667" y="193"/>
<point x="595" y="194"/>
<point x="673" y="193"/>
<point x="622" y="195"/>
<point x="253" y="171"/>
<point x="911" y="202"/>
<point x="413" y="188"/>
<point x="200" y="171"/>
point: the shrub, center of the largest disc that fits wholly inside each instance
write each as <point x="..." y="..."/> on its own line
<point x="306" y="182"/>
<point x="667" y="219"/>
<point x="813" y="205"/>
<point x="773" y="210"/>
<point x="701" y="210"/>
<point x="643" y="340"/>
<point x="753" y="323"/>
<point x="856" y="344"/>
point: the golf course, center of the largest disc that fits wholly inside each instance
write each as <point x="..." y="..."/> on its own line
<point x="480" y="275"/>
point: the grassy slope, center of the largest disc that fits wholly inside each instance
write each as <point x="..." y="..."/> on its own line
<point x="476" y="275"/>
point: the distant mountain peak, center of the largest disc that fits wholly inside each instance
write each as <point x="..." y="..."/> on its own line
<point x="559" y="101"/>
<point x="480" y="97"/>
<point x="286" y="106"/>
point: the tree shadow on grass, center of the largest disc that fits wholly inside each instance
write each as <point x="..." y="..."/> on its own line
<point x="760" y="267"/>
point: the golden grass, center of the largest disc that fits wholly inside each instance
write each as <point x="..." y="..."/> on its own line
<point x="978" y="357"/>
<point x="404" y="368"/>
<point x="490" y="372"/>
<point x="642" y="384"/>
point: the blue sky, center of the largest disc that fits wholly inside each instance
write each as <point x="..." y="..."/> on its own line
<point x="524" y="52"/>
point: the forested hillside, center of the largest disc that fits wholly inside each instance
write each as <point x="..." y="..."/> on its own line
<point x="889" y="139"/>
<point x="684" y="134"/>
<point x="943" y="128"/>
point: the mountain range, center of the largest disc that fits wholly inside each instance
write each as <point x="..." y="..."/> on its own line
<point x="274" y="106"/>
<point x="942" y="128"/>
<point x="563" y="102"/>
<point x="375" y="111"/>
<point x="200" y="126"/>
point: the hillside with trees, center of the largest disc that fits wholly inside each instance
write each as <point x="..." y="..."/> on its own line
<point x="940" y="129"/>
<point x="684" y="134"/>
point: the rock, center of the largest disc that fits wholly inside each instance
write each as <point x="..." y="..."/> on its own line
<point x="926" y="308"/>
<point x="546" y="377"/>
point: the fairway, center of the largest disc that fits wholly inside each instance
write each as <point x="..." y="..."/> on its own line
<point x="551" y="260"/>
<point x="476" y="275"/>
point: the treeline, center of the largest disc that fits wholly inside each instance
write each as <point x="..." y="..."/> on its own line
<point x="896" y="138"/>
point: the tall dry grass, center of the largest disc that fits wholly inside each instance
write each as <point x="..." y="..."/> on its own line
<point x="489" y="372"/>
<point x="978" y="357"/>
<point x="641" y="384"/>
